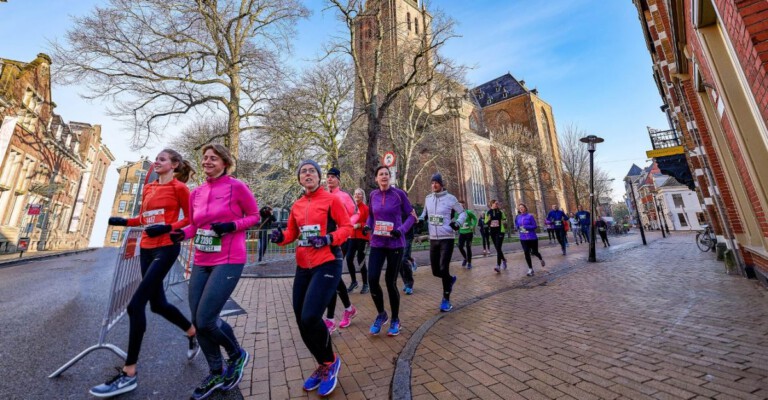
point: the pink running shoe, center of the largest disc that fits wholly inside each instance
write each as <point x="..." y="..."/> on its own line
<point x="347" y="319"/>
<point x="331" y="325"/>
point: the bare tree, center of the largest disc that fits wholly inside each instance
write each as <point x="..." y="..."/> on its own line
<point x="158" y="59"/>
<point x="387" y="70"/>
<point x="575" y="161"/>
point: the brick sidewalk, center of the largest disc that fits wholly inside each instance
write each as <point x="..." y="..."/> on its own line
<point x="662" y="321"/>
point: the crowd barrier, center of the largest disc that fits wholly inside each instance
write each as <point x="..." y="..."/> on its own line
<point x="125" y="281"/>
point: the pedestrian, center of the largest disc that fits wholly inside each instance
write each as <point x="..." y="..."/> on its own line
<point x="267" y="219"/>
<point x="496" y="221"/>
<point x="444" y="215"/>
<point x="163" y="202"/>
<point x="466" y="235"/>
<point x="221" y="210"/>
<point x="321" y="224"/>
<point x="334" y="186"/>
<point x="585" y="221"/>
<point x="574" y="225"/>
<point x="557" y="218"/>
<point x="551" y="231"/>
<point x="357" y="244"/>
<point x="408" y="264"/>
<point x="602" y="229"/>
<point x="526" y="225"/>
<point x="387" y="207"/>
<point x="484" y="234"/>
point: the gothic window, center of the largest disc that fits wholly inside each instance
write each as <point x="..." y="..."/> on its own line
<point x="408" y="20"/>
<point x="478" y="182"/>
<point x="545" y="122"/>
<point x="416" y="25"/>
<point x="473" y="125"/>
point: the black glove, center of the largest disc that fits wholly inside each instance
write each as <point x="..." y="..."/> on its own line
<point x="396" y="233"/>
<point x="223" y="227"/>
<point x="276" y="236"/>
<point x="157" y="230"/>
<point x="118" y="221"/>
<point x="177" y="236"/>
<point x="366" y="229"/>
<point x="454" y="225"/>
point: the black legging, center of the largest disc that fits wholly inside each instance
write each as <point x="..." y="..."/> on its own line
<point x="498" y="240"/>
<point x="486" y="238"/>
<point x="551" y="233"/>
<point x="440" y="252"/>
<point x="343" y="294"/>
<point x="561" y="238"/>
<point x="357" y="248"/>
<point x="155" y="264"/>
<point x="530" y="246"/>
<point x="604" y="237"/>
<point x="376" y="259"/>
<point x="465" y="240"/>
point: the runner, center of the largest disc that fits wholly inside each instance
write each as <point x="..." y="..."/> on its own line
<point x="574" y="225"/>
<point x="333" y="179"/>
<point x="266" y="222"/>
<point x="321" y="223"/>
<point x="162" y="202"/>
<point x="526" y="225"/>
<point x="602" y="229"/>
<point x="585" y="221"/>
<point x="496" y="221"/>
<point x="221" y="210"/>
<point x="485" y="234"/>
<point x="551" y="231"/>
<point x="466" y="234"/>
<point x="357" y="245"/>
<point x="388" y="206"/>
<point x="557" y="218"/>
<point x="440" y="208"/>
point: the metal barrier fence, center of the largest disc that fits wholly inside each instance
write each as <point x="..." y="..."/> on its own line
<point x="125" y="281"/>
<point x="261" y="251"/>
<point x="181" y="269"/>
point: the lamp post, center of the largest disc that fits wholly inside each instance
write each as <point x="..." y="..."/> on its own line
<point x="637" y="211"/>
<point x="658" y="215"/>
<point x="592" y="142"/>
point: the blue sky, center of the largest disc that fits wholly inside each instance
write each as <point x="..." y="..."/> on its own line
<point x="587" y="58"/>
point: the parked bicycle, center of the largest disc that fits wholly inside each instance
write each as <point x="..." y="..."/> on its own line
<point x="706" y="239"/>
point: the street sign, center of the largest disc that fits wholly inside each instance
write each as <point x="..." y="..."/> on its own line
<point x="23" y="244"/>
<point x="389" y="159"/>
<point x="34" y="209"/>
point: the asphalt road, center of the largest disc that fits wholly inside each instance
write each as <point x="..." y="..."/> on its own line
<point x="51" y="310"/>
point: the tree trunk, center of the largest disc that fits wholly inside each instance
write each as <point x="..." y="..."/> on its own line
<point x="372" y="151"/>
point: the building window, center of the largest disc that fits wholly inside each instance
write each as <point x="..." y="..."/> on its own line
<point x="678" y="200"/>
<point x="408" y="20"/>
<point x="416" y="25"/>
<point x="121" y="207"/>
<point x="135" y="188"/>
<point x="701" y="218"/>
<point x="681" y="218"/>
<point x="126" y="187"/>
<point x="115" y="236"/>
<point x="478" y="182"/>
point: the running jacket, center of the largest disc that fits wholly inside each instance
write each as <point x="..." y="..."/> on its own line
<point x="526" y="225"/>
<point x="386" y="211"/>
<point x="439" y="206"/>
<point x="161" y="204"/>
<point x="584" y="218"/>
<point x="556" y="216"/>
<point x="362" y="212"/>
<point x="349" y="204"/>
<point x="222" y="199"/>
<point x="469" y="224"/>
<point x="317" y="213"/>
<point x="496" y="215"/>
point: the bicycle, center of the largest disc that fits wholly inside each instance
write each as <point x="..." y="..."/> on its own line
<point x="705" y="239"/>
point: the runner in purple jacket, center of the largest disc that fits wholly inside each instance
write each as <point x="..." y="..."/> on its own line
<point x="526" y="225"/>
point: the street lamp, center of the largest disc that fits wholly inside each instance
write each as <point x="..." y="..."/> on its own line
<point x="637" y="211"/>
<point x="592" y="142"/>
<point x="660" y="218"/>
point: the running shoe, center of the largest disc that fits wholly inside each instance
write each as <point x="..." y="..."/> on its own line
<point x="453" y="281"/>
<point x="380" y="321"/>
<point x="409" y="290"/>
<point x="504" y="264"/>
<point x="543" y="263"/>
<point x="464" y="263"/>
<point x="414" y="266"/>
<point x="121" y="383"/>
<point x="352" y="286"/>
<point x="530" y="272"/>
<point x="194" y="347"/>
<point x="347" y="318"/>
<point x="330" y="378"/>
<point x="234" y="371"/>
<point x="208" y="386"/>
<point x="330" y="324"/>
<point x="497" y="269"/>
<point x="445" y="306"/>
<point x="364" y="290"/>
<point x="469" y="265"/>
<point x="394" y="328"/>
<point x="313" y="382"/>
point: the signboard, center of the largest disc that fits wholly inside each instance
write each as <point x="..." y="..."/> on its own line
<point x="34" y="209"/>
<point x="669" y="151"/>
<point x="389" y="159"/>
<point x="23" y="244"/>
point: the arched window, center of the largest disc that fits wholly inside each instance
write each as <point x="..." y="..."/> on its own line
<point x="503" y="121"/>
<point x="473" y="124"/>
<point x="416" y="25"/>
<point x="478" y="182"/>
<point x="408" y="20"/>
<point x="545" y="123"/>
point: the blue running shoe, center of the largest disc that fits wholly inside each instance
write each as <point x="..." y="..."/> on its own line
<point x="469" y="265"/>
<point x="445" y="306"/>
<point x="313" y="382"/>
<point x="122" y="383"/>
<point x="394" y="328"/>
<point x="235" y="370"/>
<point x="381" y="319"/>
<point x="330" y="378"/>
<point x="208" y="386"/>
<point x="408" y="290"/>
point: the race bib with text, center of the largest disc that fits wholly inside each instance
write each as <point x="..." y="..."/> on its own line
<point x="207" y="241"/>
<point x="383" y="228"/>
<point x="308" y="231"/>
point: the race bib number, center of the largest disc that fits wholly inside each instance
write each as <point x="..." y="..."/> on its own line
<point x="153" y="217"/>
<point x="601" y="229"/>
<point x="523" y="230"/>
<point x="207" y="241"/>
<point x="495" y="223"/>
<point x="558" y="223"/>
<point x="307" y="231"/>
<point x="383" y="228"/>
<point x="436" y="220"/>
<point x="582" y="217"/>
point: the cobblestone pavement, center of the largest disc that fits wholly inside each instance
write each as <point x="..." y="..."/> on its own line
<point x="662" y="321"/>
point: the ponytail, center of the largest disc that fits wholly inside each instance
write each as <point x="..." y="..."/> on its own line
<point x="184" y="172"/>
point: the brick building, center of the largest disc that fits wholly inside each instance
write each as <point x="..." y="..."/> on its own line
<point x="52" y="171"/>
<point x="127" y="202"/>
<point x="711" y="67"/>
